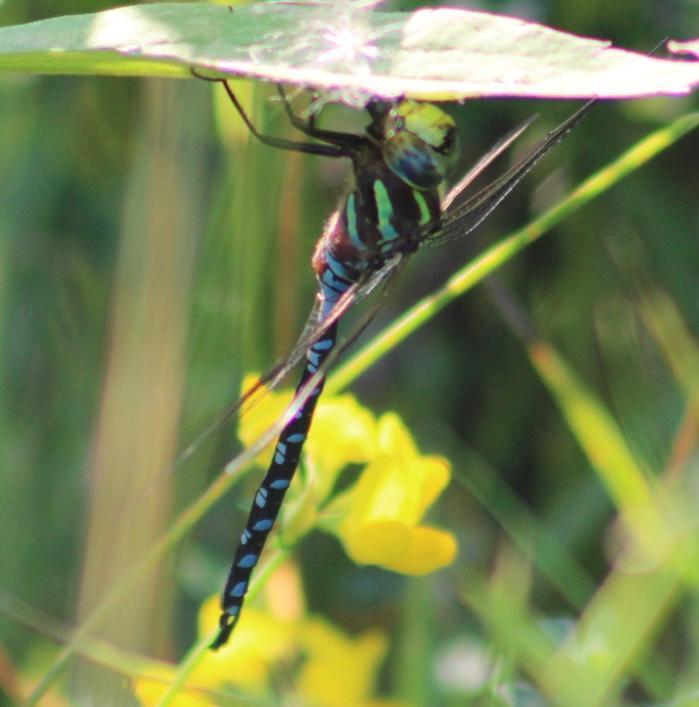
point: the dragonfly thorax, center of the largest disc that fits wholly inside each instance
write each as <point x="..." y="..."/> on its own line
<point x="395" y="200"/>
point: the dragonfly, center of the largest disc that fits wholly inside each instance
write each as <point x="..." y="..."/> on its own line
<point x="400" y="164"/>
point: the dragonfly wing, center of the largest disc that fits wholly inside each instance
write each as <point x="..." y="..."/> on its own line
<point x="462" y="216"/>
<point x="454" y="197"/>
<point x="314" y="329"/>
<point x="384" y="275"/>
<point x="316" y="325"/>
<point x="376" y="277"/>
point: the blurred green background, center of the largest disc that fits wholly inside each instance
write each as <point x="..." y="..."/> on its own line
<point x="150" y="255"/>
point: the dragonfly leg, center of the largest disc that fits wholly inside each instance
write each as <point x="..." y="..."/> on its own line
<point x="308" y="127"/>
<point x="332" y="150"/>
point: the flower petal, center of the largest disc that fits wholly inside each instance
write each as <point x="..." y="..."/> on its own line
<point x="343" y="432"/>
<point x="265" y="408"/>
<point x="260" y="641"/>
<point x="401" y="548"/>
<point x="339" y="671"/>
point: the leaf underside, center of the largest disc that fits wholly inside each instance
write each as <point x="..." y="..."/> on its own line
<point x="433" y="54"/>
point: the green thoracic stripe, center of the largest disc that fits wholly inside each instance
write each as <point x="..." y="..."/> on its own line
<point x="384" y="208"/>
<point x="425" y="215"/>
<point x="351" y="211"/>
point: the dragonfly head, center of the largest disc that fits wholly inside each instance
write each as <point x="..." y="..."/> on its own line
<point x="418" y="140"/>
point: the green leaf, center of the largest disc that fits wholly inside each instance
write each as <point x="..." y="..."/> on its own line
<point x="436" y="54"/>
<point x="594" y="427"/>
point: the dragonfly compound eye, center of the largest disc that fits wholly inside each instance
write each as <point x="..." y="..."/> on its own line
<point x="419" y="143"/>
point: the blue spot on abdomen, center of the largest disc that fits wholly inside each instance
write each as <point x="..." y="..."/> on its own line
<point x="279" y="484"/>
<point x="247" y="561"/>
<point x="239" y="590"/>
<point x="262" y="525"/>
<point x="261" y="497"/>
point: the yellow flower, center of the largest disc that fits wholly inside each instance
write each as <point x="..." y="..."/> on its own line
<point x="332" y="669"/>
<point x="266" y="407"/>
<point x="259" y="642"/>
<point x="342" y="431"/>
<point x="382" y="512"/>
<point x="378" y="519"/>
<point x="339" y="671"/>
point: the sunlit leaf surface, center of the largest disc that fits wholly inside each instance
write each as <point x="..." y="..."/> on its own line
<point x="443" y="53"/>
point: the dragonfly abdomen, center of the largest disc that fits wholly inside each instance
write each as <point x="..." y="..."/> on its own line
<point x="272" y="490"/>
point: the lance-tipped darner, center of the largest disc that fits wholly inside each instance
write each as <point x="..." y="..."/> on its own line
<point x="394" y="207"/>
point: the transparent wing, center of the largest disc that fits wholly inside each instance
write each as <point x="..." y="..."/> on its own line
<point x="461" y="215"/>
<point x="386" y="275"/>
<point x="314" y="329"/>
<point x="456" y="194"/>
